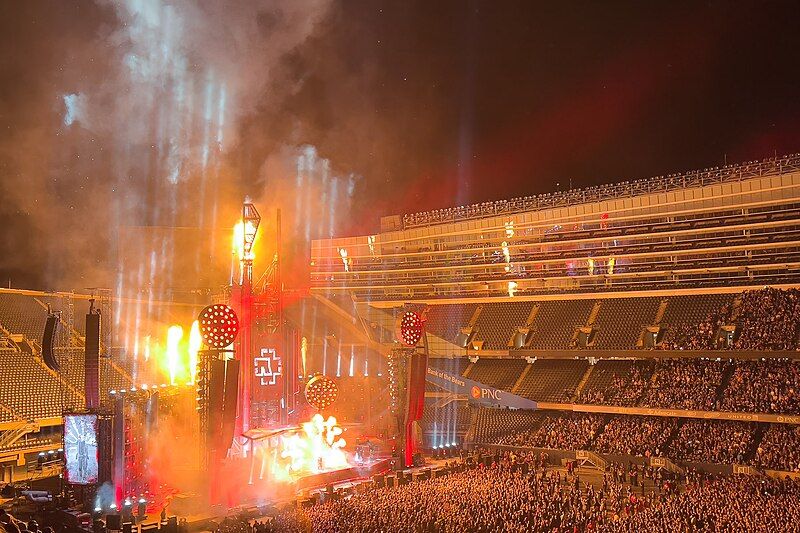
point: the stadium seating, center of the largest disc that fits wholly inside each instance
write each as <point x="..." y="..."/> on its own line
<point x="30" y="390"/>
<point x="764" y="387"/>
<point x="686" y="313"/>
<point x="498" y="322"/>
<point x="493" y="423"/>
<point x="552" y="380"/>
<point x="617" y="382"/>
<point x="455" y="365"/>
<point x="638" y="436"/>
<point x="779" y="448"/>
<point x="23" y="315"/>
<point x="556" y="321"/>
<point x="501" y="374"/>
<point x="446" y="421"/>
<point x="621" y="321"/>
<point x="564" y="431"/>
<point x="768" y="320"/>
<point x="446" y="321"/>
<point x="722" y="442"/>
<point x="71" y="366"/>
<point x="685" y="384"/>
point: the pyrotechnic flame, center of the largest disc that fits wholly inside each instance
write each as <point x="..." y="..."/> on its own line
<point x="174" y="336"/>
<point x="318" y="448"/>
<point x="512" y="288"/>
<point x="506" y="255"/>
<point x="195" y="341"/>
<point x="509" y="229"/>
<point x="345" y="260"/>
<point x="239" y="231"/>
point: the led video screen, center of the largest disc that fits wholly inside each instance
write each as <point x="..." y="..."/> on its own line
<point x="80" y="449"/>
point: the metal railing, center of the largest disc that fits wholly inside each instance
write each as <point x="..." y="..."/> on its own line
<point x="625" y="189"/>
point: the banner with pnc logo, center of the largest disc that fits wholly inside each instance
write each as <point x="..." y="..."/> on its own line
<point x="478" y="392"/>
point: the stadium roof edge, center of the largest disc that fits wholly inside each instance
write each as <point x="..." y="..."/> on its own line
<point x="622" y="189"/>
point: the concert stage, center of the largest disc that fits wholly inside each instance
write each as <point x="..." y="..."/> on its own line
<point x="323" y="479"/>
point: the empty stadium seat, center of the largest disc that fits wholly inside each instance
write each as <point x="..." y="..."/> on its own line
<point x="552" y="380"/>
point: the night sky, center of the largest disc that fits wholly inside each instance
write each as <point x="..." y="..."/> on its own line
<point x="430" y="103"/>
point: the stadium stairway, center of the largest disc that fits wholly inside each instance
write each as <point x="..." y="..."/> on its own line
<point x="521" y="378"/>
<point x="662" y="308"/>
<point x="582" y="383"/>
<point x="593" y="314"/>
<point x="468" y="370"/>
<point x="469" y="438"/>
<point x="761" y="428"/>
<point x="675" y="431"/>
<point x="736" y="308"/>
<point x="727" y="374"/>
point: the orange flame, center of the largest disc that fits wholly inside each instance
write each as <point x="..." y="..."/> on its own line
<point x="239" y="230"/>
<point x="319" y="447"/>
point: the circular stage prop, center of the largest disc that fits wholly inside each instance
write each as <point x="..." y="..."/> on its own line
<point x="410" y="329"/>
<point x="321" y="391"/>
<point x="219" y="325"/>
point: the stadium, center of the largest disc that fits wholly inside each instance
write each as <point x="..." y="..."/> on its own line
<point x="641" y="337"/>
<point x="314" y="266"/>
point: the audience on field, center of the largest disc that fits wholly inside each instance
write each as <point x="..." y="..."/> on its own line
<point x="506" y="497"/>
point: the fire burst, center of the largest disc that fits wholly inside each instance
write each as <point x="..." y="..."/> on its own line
<point x="318" y="448"/>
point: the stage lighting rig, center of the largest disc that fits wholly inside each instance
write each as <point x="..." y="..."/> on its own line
<point x="219" y="326"/>
<point x="410" y="329"/>
<point x="251" y="220"/>
<point x="321" y="391"/>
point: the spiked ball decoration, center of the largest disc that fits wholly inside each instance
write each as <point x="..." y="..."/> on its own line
<point x="410" y="330"/>
<point x="218" y="325"/>
<point x="321" y="392"/>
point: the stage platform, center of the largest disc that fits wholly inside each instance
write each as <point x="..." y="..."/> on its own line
<point x="357" y="472"/>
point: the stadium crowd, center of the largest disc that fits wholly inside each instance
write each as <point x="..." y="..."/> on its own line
<point x="10" y="524"/>
<point x="567" y="432"/>
<point x="719" y="442"/>
<point x="512" y="494"/>
<point x="779" y="448"/>
<point x="625" y="389"/>
<point x="642" y="436"/>
<point x="693" y="440"/>
<point x="700" y="336"/>
<point x="763" y="387"/>
<point x="768" y="320"/>
<point x="730" y="504"/>
<point x="685" y="384"/>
